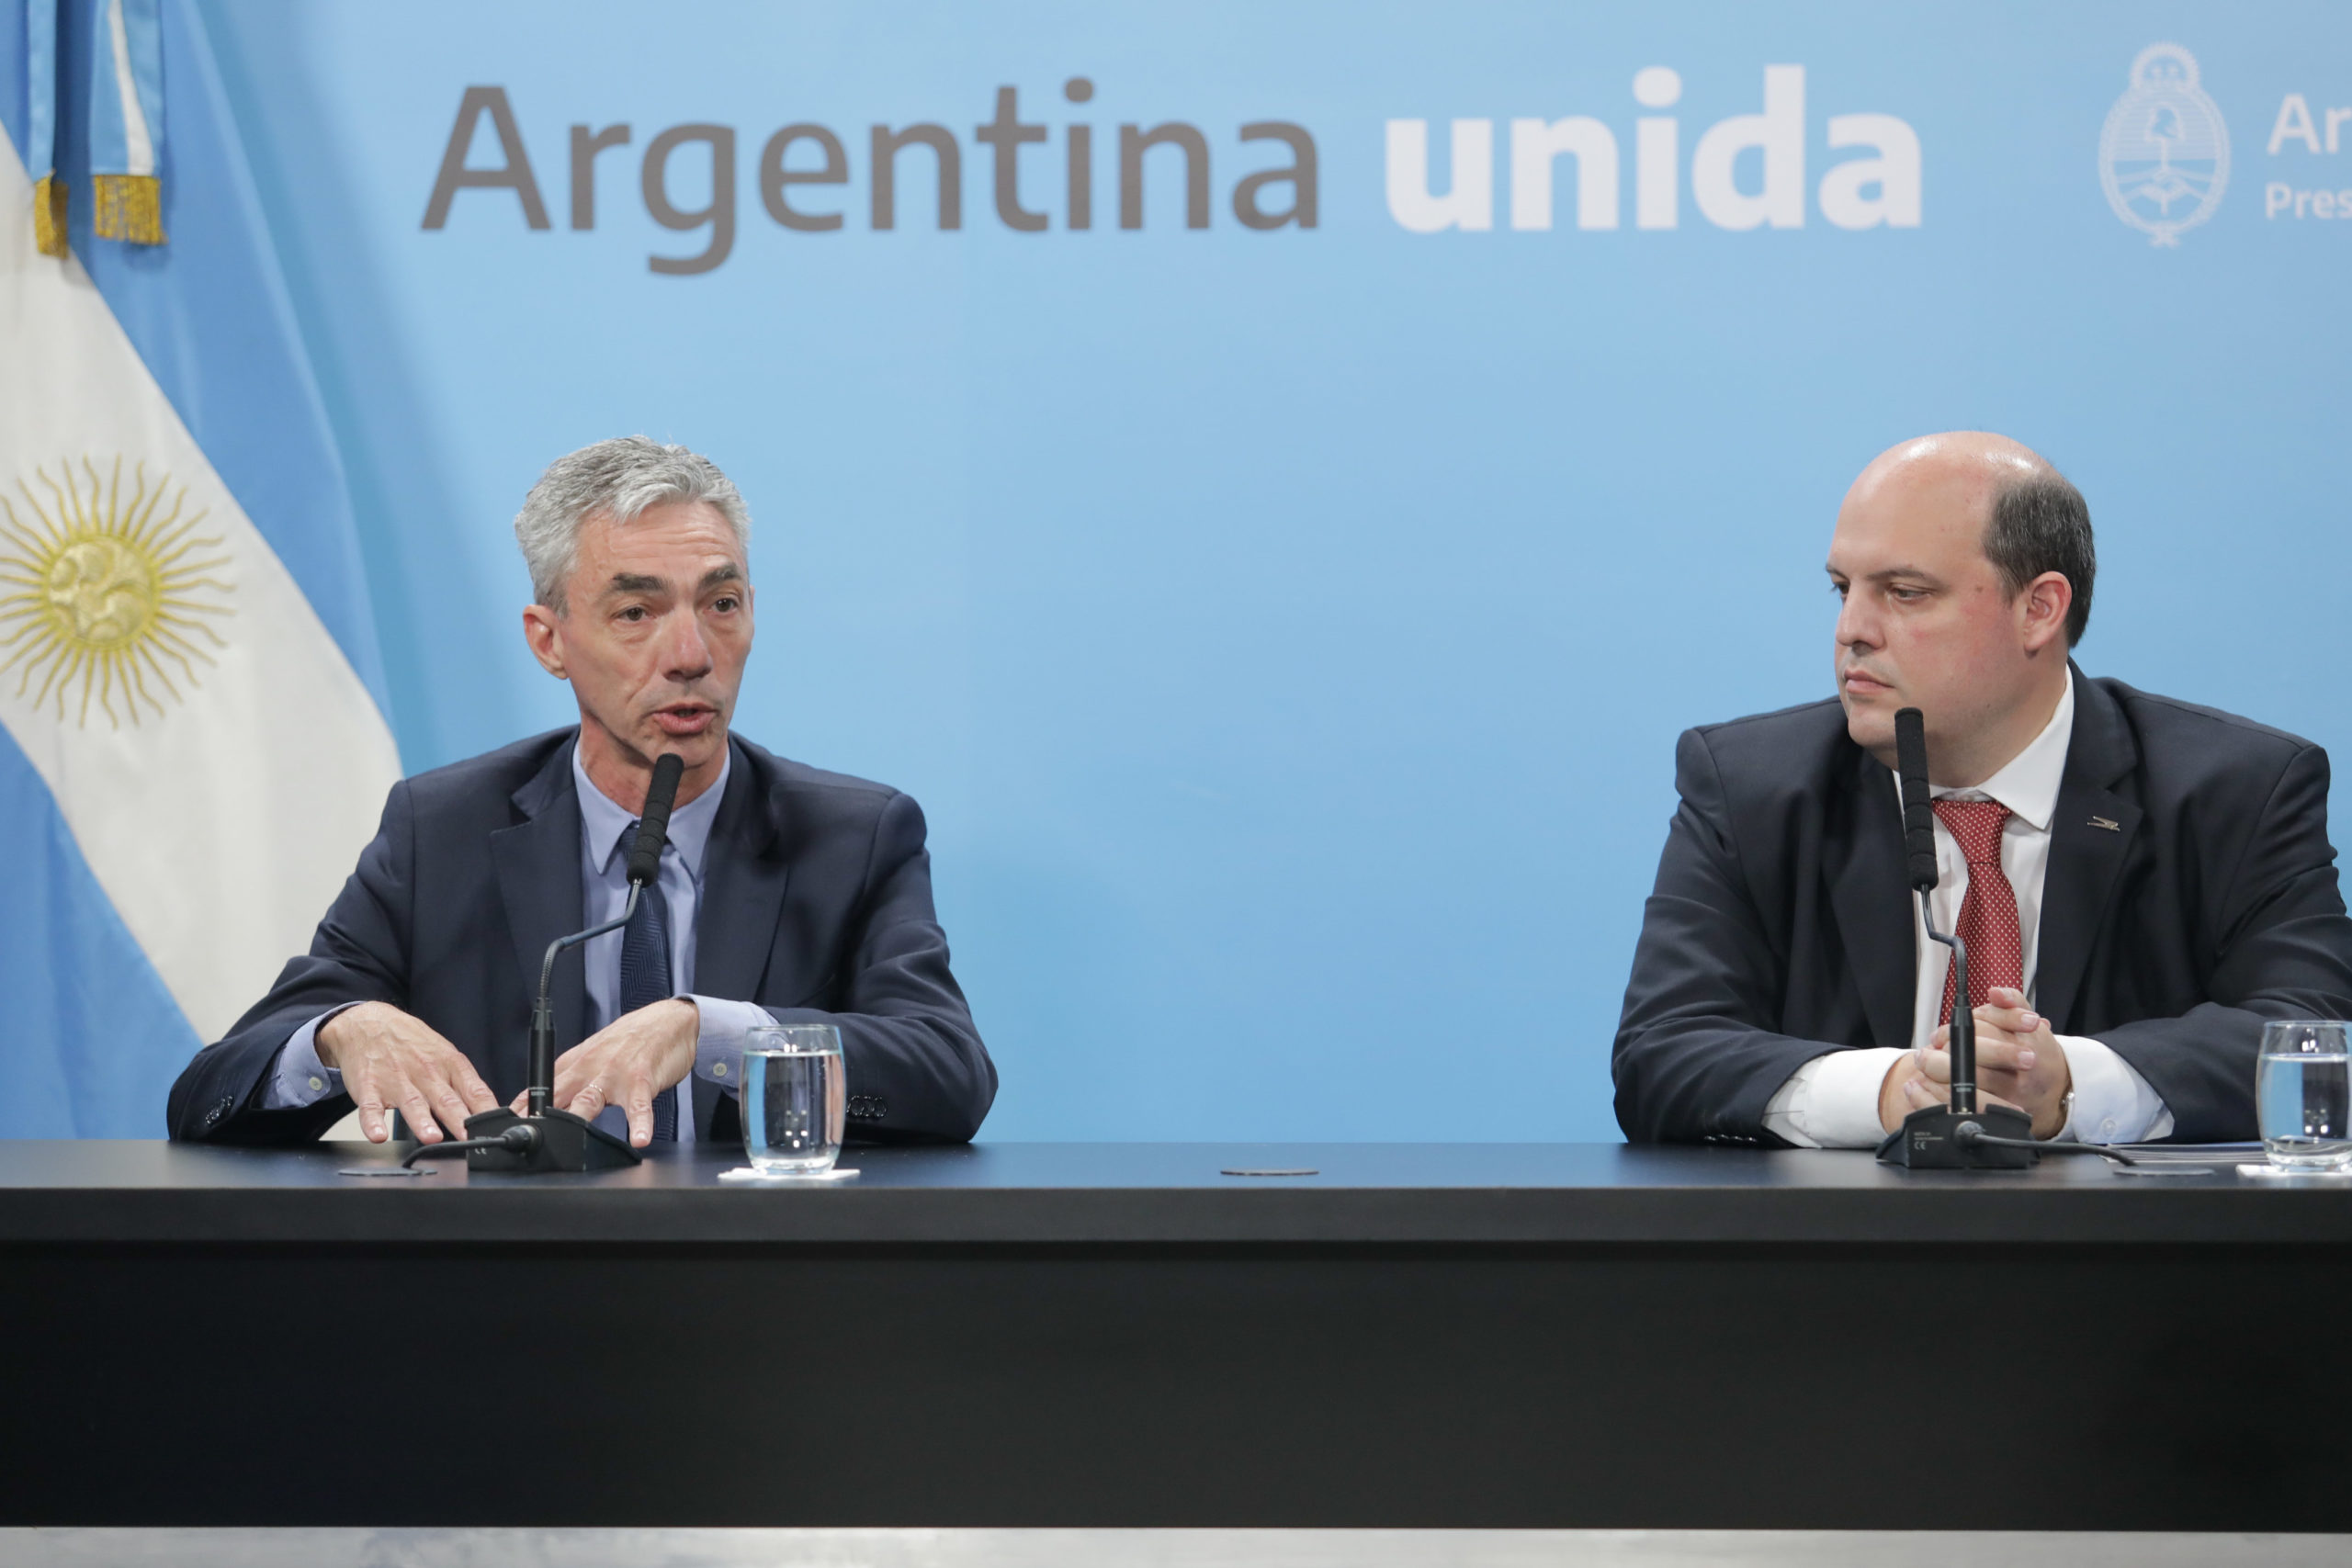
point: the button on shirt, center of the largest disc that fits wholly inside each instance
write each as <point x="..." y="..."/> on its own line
<point x="301" y="1079"/>
<point x="1832" y="1100"/>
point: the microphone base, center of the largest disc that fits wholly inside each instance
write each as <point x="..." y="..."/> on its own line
<point x="565" y="1143"/>
<point x="1925" y="1140"/>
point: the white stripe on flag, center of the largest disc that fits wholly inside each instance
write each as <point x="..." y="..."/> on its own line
<point x="139" y="154"/>
<point x="223" y="821"/>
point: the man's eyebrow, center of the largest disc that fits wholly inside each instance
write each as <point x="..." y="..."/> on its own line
<point x="1889" y="573"/>
<point x="634" y="582"/>
<point x="731" y="572"/>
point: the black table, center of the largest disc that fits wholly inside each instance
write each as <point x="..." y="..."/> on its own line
<point x="1060" y="1334"/>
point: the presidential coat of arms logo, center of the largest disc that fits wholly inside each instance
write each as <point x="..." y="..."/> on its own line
<point x="2164" y="157"/>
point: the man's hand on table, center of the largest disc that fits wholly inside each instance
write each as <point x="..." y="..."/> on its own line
<point x="2019" y="1057"/>
<point x="626" y="1063"/>
<point x="2019" y="1064"/>
<point x="390" y="1061"/>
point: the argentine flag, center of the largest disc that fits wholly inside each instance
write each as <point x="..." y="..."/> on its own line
<point x="193" y="746"/>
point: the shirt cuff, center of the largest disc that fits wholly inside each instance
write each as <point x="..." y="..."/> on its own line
<point x="300" y="1078"/>
<point x="718" y="1041"/>
<point x="1831" y="1102"/>
<point x="2113" y="1104"/>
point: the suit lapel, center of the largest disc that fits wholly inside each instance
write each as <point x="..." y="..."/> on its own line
<point x="743" y="877"/>
<point x="2090" y="838"/>
<point x="1873" y="905"/>
<point x="537" y="862"/>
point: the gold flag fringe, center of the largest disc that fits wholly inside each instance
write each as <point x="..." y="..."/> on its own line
<point x="130" y="206"/>
<point x="49" y="215"/>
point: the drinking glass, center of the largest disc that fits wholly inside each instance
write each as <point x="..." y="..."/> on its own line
<point x="793" y="1099"/>
<point x="2302" y="1095"/>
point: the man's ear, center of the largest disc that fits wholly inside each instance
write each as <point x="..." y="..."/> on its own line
<point x="2046" y="601"/>
<point x="542" y="629"/>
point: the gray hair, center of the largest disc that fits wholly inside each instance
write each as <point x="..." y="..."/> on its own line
<point x="616" y="479"/>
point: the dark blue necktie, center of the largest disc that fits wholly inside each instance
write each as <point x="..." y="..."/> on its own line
<point x="645" y="979"/>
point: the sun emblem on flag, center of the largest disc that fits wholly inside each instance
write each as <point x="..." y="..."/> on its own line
<point x="117" y="595"/>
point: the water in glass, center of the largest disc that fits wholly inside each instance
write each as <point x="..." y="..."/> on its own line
<point x="2302" y="1091"/>
<point x="794" y="1097"/>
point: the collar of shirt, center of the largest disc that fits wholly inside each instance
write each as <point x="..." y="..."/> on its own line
<point x="604" y="823"/>
<point x="2027" y="782"/>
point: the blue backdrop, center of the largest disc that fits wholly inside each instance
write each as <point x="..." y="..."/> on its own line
<point x="1286" y="629"/>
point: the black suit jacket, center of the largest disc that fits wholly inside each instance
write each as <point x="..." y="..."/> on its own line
<point x="1781" y="926"/>
<point x="816" y="904"/>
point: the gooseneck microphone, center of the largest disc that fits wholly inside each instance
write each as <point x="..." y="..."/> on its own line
<point x="545" y="1138"/>
<point x="1919" y="849"/>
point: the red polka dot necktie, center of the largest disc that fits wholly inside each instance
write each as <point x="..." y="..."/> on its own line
<point x="1988" y="915"/>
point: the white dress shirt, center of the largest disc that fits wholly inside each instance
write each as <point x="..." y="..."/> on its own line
<point x="1831" y="1102"/>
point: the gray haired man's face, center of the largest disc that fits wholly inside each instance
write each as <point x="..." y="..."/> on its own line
<point x="653" y="637"/>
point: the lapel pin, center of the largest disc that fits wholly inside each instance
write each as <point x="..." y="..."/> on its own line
<point x="2109" y="823"/>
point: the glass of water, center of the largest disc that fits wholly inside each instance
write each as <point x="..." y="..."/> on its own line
<point x="2302" y="1095"/>
<point x="795" y="1095"/>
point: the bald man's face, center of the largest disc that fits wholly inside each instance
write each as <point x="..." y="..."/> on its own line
<point x="1926" y="620"/>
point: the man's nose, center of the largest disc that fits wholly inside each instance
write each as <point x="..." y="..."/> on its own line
<point x="1855" y="623"/>
<point x="685" y="652"/>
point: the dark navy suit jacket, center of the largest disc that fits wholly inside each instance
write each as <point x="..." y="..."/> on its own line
<point x="816" y="904"/>
<point x="2190" y="895"/>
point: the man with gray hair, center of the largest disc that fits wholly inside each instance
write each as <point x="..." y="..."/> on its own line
<point x="783" y="892"/>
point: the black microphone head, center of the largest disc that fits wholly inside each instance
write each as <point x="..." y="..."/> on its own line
<point x="653" y="824"/>
<point x="1918" y="817"/>
<point x="1910" y="743"/>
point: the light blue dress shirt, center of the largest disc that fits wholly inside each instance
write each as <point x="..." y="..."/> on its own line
<point x="302" y="1079"/>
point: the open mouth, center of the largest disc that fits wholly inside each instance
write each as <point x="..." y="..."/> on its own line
<point x="685" y="719"/>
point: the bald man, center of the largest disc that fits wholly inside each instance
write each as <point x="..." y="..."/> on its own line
<point x="2142" y="882"/>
